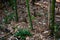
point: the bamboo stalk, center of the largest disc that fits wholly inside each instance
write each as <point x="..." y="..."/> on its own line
<point x="15" y="9"/>
<point x="52" y="17"/>
<point x="30" y="20"/>
<point x="49" y="5"/>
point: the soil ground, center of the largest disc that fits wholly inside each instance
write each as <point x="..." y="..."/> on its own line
<point x="40" y="21"/>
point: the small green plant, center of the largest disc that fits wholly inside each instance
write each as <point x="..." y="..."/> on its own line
<point x="9" y="16"/>
<point x="56" y="31"/>
<point x="28" y="8"/>
<point x="23" y="33"/>
<point x="5" y="20"/>
<point x="32" y="17"/>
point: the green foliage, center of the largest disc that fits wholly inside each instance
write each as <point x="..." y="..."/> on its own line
<point x="28" y="8"/>
<point x="14" y="7"/>
<point x="56" y="31"/>
<point x="13" y="4"/>
<point x="23" y="33"/>
<point x="9" y="16"/>
<point x="32" y="17"/>
<point x="5" y="20"/>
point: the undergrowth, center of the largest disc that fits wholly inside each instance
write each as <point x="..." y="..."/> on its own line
<point x="23" y="33"/>
<point x="9" y="17"/>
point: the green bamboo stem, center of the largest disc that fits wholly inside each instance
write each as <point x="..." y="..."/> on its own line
<point x="52" y="16"/>
<point x="30" y="20"/>
<point x="15" y="10"/>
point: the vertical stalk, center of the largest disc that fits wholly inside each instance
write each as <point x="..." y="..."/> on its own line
<point x="15" y="10"/>
<point x="49" y="5"/>
<point x="30" y="20"/>
<point x="52" y="17"/>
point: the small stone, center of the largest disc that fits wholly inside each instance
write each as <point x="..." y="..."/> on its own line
<point x="27" y="38"/>
<point x="45" y="31"/>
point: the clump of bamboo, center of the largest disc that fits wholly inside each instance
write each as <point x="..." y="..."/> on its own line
<point x="30" y="20"/>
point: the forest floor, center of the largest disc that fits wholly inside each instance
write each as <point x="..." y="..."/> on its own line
<point x="39" y="20"/>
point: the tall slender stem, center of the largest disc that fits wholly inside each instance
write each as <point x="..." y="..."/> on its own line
<point x="30" y="20"/>
<point x="52" y="16"/>
<point x="15" y="9"/>
<point x="49" y="6"/>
